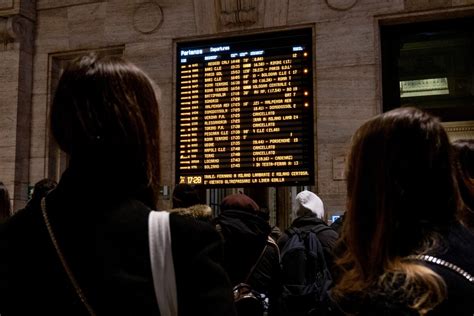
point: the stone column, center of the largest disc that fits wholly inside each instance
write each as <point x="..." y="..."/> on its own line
<point x="16" y="73"/>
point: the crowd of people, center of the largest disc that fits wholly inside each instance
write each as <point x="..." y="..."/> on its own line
<point x="82" y="246"/>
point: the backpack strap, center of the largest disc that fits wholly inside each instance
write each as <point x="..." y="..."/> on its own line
<point x="292" y="231"/>
<point x="320" y="228"/>
<point x="317" y="230"/>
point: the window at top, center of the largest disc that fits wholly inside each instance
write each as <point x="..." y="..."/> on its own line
<point x="430" y="65"/>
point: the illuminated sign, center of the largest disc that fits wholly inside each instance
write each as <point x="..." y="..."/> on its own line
<point x="423" y="87"/>
<point x="245" y="110"/>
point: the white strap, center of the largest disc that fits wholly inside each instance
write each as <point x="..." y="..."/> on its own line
<point x="162" y="266"/>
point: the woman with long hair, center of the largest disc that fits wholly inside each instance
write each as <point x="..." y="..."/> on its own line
<point x="405" y="252"/>
<point x="5" y="205"/>
<point x="464" y="164"/>
<point x="85" y="249"/>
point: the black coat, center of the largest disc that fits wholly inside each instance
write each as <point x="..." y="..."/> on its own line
<point x="103" y="232"/>
<point x="327" y="237"/>
<point x="457" y="247"/>
<point x="245" y="236"/>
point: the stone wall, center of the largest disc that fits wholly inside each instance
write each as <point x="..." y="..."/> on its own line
<point x="347" y="65"/>
<point x="17" y="19"/>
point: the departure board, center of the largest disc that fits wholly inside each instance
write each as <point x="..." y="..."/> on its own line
<point x="245" y="110"/>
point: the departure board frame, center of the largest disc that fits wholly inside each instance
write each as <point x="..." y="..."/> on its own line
<point x="245" y="110"/>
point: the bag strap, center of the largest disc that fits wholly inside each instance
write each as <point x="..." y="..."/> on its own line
<point x="272" y="242"/>
<point x="320" y="249"/>
<point x="162" y="267"/>
<point x="256" y="263"/>
<point x="219" y="230"/>
<point x="67" y="269"/>
<point x="443" y="263"/>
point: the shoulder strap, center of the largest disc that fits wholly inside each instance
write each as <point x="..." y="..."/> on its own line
<point x="443" y="263"/>
<point x="292" y="231"/>
<point x="219" y="230"/>
<point x="256" y="264"/>
<point x="162" y="267"/>
<point x="320" y="228"/>
<point x="272" y="242"/>
<point x="64" y="263"/>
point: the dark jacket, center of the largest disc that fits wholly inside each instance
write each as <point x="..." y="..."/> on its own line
<point x="245" y="236"/>
<point x="337" y="224"/>
<point x="455" y="247"/>
<point x="458" y="248"/>
<point x="102" y="229"/>
<point x="327" y="237"/>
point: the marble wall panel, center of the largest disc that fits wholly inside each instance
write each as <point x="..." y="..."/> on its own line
<point x="310" y="11"/>
<point x="52" y="31"/>
<point x="118" y="27"/>
<point x="54" y="4"/>
<point x="275" y="13"/>
<point x="86" y="25"/>
<point x="345" y="42"/>
<point x="6" y="4"/>
<point x="412" y="5"/>
<point x="462" y="2"/>
<point x="9" y="7"/>
<point x="9" y="78"/>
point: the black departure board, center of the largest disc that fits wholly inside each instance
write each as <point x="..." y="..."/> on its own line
<point x="245" y="110"/>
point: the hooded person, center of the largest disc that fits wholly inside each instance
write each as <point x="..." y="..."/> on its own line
<point x="186" y="202"/>
<point x="245" y="235"/>
<point x="308" y="214"/>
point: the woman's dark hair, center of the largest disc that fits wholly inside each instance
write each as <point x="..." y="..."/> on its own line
<point x="464" y="165"/>
<point x="401" y="192"/>
<point x="105" y="114"/>
<point x="5" y="205"/>
<point x="185" y="195"/>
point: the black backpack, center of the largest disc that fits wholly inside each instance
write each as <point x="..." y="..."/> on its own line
<point x="305" y="275"/>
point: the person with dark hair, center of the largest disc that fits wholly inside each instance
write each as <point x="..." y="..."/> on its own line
<point x="337" y="224"/>
<point x="87" y="249"/>
<point x="186" y="202"/>
<point x="405" y="251"/>
<point x="40" y="190"/>
<point x="247" y="245"/>
<point x="185" y="195"/>
<point x="264" y="213"/>
<point x="5" y="204"/>
<point x="464" y="165"/>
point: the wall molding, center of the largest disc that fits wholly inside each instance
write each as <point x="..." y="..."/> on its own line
<point x="148" y="17"/>
<point x="237" y="12"/>
<point x="16" y="28"/>
<point x="459" y="130"/>
<point x="341" y="5"/>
